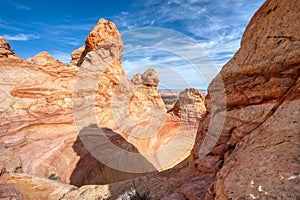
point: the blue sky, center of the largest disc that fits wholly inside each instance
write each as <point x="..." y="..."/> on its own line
<point x="59" y="27"/>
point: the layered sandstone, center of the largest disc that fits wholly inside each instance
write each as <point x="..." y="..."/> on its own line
<point x="57" y="118"/>
<point x="37" y="119"/>
<point x="6" y="51"/>
<point x="76" y="55"/>
<point x="249" y="141"/>
<point x="247" y="145"/>
<point x="146" y="84"/>
<point x="190" y="105"/>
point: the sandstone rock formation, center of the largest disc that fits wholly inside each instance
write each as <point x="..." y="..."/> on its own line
<point x="104" y="31"/>
<point x="247" y="145"/>
<point x="40" y="98"/>
<point x="255" y="154"/>
<point x="37" y="119"/>
<point x="146" y="85"/>
<point x="6" y="51"/>
<point x="190" y="106"/>
<point x="76" y="55"/>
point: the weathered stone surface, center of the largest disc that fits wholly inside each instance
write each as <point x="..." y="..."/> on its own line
<point x="197" y="187"/>
<point x="76" y="55"/>
<point x="6" y="51"/>
<point x="9" y="192"/>
<point x="174" y="196"/>
<point x="145" y="86"/>
<point x="3" y="175"/>
<point x="9" y="161"/>
<point x="44" y="58"/>
<point x="190" y="106"/>
<point x="32" y="187"/>
<point x="37" y="119"/>
<point x="150" y="77"/>
<point x="104" y="31"/>
<point x="266" y="161"/>
<point x="252" y="136"/>
<point x="137" y="79"/>
<point x="159" y="184"/>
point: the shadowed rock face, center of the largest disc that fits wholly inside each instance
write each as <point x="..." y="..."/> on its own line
<point x="85" y="173"/>
<point x="256" y="153"/>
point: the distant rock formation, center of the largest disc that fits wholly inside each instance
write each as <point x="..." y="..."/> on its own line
<point x="146" y="84"/>
<point x="255" y="152"/>
<point x="190" y="106"/>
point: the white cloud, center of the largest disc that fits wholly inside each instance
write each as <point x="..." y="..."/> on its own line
<point x="21" y="37"/>
<point x="22" y="7"/>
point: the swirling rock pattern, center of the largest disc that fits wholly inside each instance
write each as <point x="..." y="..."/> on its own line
<point x="40" y="97"/>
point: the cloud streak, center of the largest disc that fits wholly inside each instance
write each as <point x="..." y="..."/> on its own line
<point x="22" y="7"/>
<point x="18" y="5"/>
<point x="21" y="37"/>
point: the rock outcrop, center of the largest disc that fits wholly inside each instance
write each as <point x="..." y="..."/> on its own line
<point x="146" y="85"/>
<point x="249" y="141"/>
<point x="6" y="51"/>
<point x="76" y="55"/>
<point x="190" y="106"/>
<point x="103" y="32"/>
<point x="30" y="187"/>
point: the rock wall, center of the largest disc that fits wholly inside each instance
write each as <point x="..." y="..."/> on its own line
<point x="255" y="154"/>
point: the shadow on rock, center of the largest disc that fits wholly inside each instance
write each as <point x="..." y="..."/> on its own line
<point x="98" y="148"/>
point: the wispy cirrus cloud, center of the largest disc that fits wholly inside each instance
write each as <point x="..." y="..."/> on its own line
<point x="18" y="5"/>
<point x="4" y="25"/>
<point x="216" y="24"/>
<point x="179" y="60"/>
<point x="21" y="37"/>
<point x="22" y="7"/>
<point x="75" y="27"/>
